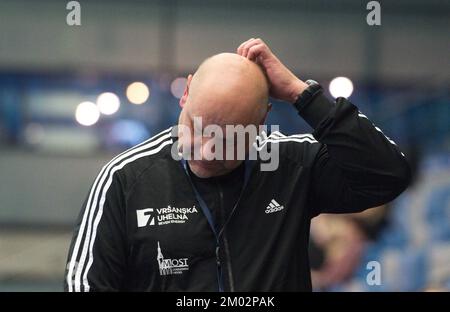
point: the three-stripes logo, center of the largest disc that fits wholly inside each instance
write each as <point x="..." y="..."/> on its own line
<point x="274" y="206"/>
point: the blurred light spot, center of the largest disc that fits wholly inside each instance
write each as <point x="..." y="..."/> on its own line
<point x="87" y="113"/>
<point x="164" y="81"/>
<point x="34" y="134"/>
<point x="108" y="103"/>
<point x="177" y="87"/>
<point x="128" y="132"/>
<point x="341" y="86"/>
<point x="138" y="92"/>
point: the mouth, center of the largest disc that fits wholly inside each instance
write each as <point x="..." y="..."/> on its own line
<point x="205" y="164"/>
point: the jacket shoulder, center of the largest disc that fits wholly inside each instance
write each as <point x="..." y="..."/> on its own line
<point x="128" y="165"/>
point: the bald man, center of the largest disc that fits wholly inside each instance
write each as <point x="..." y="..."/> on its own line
<point x="195" y="209"/>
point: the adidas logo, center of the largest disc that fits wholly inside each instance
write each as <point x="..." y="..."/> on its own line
<point x="273" y="207"/>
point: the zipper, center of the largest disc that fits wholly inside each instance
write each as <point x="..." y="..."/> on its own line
<point x="221" y="217"/>
<point x="205" y="209"/>
<point x="219" y="268"/>
<point x="223" y="233"/>
<point x="230" y="271"/>
<point x="218" y="260"/>
<point x="209" y="218"/>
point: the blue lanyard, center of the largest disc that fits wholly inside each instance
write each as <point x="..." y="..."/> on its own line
<point x="248" y="169"/>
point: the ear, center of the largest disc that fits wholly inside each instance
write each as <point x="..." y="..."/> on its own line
<point x="183" y="99"/>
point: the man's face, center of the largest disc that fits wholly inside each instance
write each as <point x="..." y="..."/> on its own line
<point x="213" y="150"/>
<point x="227" y="90"/>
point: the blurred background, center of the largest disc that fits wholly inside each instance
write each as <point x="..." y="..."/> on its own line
<point x="73" y="96"/>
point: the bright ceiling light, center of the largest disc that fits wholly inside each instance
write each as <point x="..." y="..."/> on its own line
<point x="341" y="87"/>
<point x="87" y="113"/>
<point x="138" y="92"/>
<point x="108" y="103"/>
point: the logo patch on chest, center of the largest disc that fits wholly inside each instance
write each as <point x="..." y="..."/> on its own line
<point x="163" y="216"/>
<point x="273" y="206"/>
<point x="171" y="266"/>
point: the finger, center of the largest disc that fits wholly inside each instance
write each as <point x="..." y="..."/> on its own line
<point x="239" y="49"/>
<point x="248" y="45"/>
<point x="256" y="52"/>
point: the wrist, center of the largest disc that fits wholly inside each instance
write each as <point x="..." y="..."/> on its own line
<point x="298" y="87"/>
<point x="307" y="95"/>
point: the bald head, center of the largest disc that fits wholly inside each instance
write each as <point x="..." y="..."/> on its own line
<point x="230" y="89"/>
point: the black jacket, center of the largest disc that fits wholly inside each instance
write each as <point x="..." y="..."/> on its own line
<point x="142" y="227"/>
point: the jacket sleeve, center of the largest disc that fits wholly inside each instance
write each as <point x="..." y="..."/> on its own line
<point x="97" y="254"/>
<point x="357" y="166"/>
